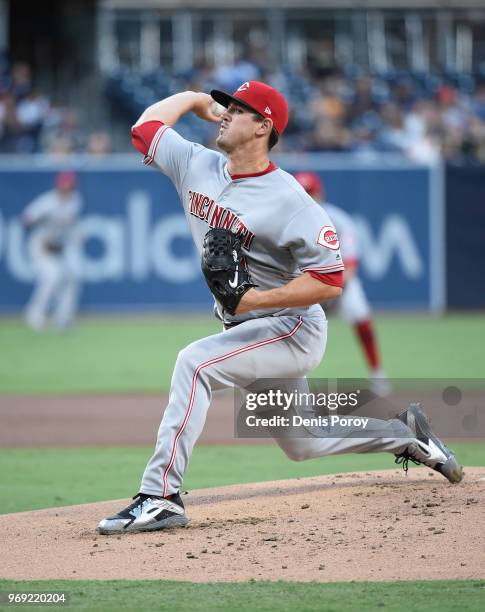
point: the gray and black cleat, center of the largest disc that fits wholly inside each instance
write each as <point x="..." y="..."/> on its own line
<point x="146" y="514"/>
<point x="427" y="449"/>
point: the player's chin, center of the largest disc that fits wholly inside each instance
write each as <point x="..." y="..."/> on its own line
<point x="222" y="143"/>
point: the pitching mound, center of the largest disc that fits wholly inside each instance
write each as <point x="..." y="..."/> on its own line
<point x="367" y="526"/>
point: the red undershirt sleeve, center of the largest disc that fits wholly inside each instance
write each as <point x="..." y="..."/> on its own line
<point x="142" y="135"/>
<point x="335" y="279"/>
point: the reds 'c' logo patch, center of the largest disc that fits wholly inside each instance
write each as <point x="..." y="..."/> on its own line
<point x="328" y="238"/>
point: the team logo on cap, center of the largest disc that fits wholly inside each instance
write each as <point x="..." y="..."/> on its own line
<point x="328" y="238"/>
<point x="267" y="110"/>
<point x="243" y="87"/>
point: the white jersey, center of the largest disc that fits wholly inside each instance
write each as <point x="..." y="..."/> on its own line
<point x="346" y="230"/>
<point x="53" y="217"/>
<point x="284" y="232"/>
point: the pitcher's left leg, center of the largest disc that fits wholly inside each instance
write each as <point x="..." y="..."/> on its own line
<point x="259" y="348"/>
<point x="255" y="349"/>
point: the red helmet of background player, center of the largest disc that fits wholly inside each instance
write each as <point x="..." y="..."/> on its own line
<point x="311" y="183"/>
<point x="259" y="97"/>
<point x="66" y="180"/>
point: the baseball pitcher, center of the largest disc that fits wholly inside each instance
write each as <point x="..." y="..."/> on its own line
<point x="270" y="256"/>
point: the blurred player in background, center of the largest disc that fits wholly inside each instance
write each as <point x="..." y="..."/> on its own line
<point x="52" y="218"/>
<point x="353" y="305"/>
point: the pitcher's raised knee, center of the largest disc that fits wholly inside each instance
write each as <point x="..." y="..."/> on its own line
<point x="193" y="356"/>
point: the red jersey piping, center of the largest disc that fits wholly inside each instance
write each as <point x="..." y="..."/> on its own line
<point x="270" y="168"/>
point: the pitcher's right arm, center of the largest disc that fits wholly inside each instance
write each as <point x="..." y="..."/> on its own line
<point x="171" y="109"/>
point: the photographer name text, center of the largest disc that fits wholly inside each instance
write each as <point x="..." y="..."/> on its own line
<point x="253" y="420"/>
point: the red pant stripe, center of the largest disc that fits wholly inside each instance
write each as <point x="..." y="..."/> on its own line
<point x="194" y="381"/>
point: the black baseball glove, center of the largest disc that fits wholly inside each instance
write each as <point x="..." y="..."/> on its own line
<point x="225" y="268"/>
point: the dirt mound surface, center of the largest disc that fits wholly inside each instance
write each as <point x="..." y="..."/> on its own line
<point x="366" y="526"/>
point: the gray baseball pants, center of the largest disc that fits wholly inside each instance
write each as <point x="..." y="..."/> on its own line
<point x="286" y="347"/>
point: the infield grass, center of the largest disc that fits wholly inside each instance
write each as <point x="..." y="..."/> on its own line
<point x="137" y="354"/>
<point x="104" y="596"/>
<point x="41" y="478"/>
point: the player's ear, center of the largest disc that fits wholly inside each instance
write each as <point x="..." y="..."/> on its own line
<point x="264" y="127"/>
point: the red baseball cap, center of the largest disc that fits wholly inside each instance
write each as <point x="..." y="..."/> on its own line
<point x="310" y="181"/>
<point x="66" y="180"/>
<point x="258" y="97"/>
